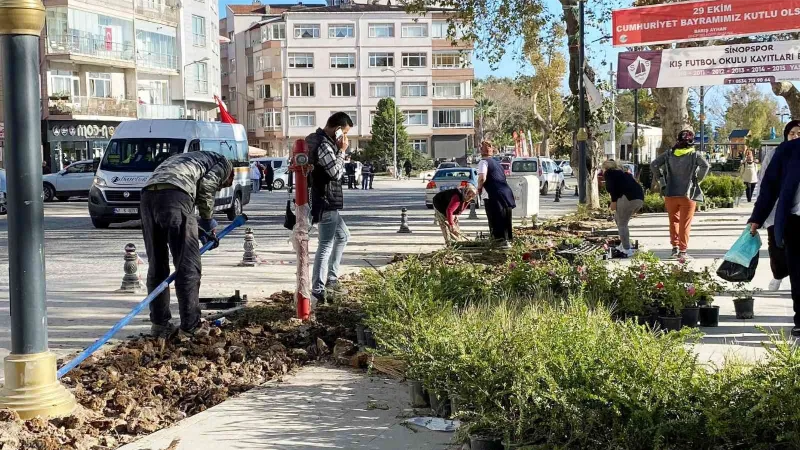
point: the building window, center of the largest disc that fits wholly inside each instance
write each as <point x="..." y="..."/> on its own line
<point x="302" y="119"/>
<point x="381" y="59"/>
<point x="415" y="117"/>
<point x="341" y="31"/>
<point x="415" y="59"/>
<point x="372" y="115"/>
<point x="447" y="90"/>
<point x="250" y="66"/>
<point x="301" y="60"/>
<point x="64" y="84"/>
<point x="273" y="32"/>
<point x="420" y="145"/>
<point x="381" y="30"/>
<point x="440" y="29"/>
<point x="306" y="31"/>
<point x="352" y="114"/>
<point x="343" y="89"/>
<point x="260" y="91"/>
<point x="272" y="119"/>
<point x="414" y="89"/>
<point x="301" y="90"/>
<point x="100" y="84"/>
<point x="451" y="60"/>
<point x="452" y="118"/>
<point x="157" y="51"/>
<point x="247" y="39"/>
<point x="414" y="30"/>
<point x="381" y="90"/>
<point x="199" y="31"/>
<point x="343" y="60"/>
<point x="201" y="78"/>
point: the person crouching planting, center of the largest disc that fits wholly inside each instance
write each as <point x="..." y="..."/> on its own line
<point x="448" y="205"/>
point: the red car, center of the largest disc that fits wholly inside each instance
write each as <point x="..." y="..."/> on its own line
<point x="506" y="168"/>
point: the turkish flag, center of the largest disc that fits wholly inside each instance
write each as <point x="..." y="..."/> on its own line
<point x="224" y="116"/>
<point x="109" y="39"/>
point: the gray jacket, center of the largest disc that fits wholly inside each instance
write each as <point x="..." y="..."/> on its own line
<point x="679" y="172"/>
<point x="199" y="174"/>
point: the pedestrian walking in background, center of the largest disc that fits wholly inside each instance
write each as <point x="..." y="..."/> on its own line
<point x="326" y="155"/>
<point x="255" y="176"/>
<point x="680" y="172"/>
<point x="261" y="171"/>
<point x="350" y="170"/>
<point x="777" y="255"/>
<point x="408" y="167"/>
<point x="780" y="190"/>
<point x="627" y="197"/>
<point x="500" y="201"/>
<point x="366" y="170"/>
<point x="169" y="225"/>
<point x="749" y="174"/>
<point x="448" y="205"/>
<point x="269" y="175"/>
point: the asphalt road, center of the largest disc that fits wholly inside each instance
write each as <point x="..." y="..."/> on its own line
<point x="84" y="266"/>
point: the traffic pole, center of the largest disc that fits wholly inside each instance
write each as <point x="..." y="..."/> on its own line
<point x="300" y="168"/>
<point x="31" y="387"/>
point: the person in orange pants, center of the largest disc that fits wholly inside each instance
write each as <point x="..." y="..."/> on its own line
<point x="680" y="172"/>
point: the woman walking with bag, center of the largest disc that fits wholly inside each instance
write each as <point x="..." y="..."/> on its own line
<point x="627" y="197"/>
<point x="777" y="256"/>
<point x="680" y="172"/>
<point x="749" y="174"/>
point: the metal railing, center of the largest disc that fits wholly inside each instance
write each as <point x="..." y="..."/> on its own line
<point x="167" y="12"/>
<point x="157" y="61"/>
<point x="93" y="106"/>
<point x="274" y="98"/>
<point x="81" y="43"/>
<point x="160" y="112"/>
<point x="452" y="125"/>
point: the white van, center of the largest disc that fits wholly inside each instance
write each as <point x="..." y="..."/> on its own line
<point x="139" y="146"/>
<point x="550" y="175"/>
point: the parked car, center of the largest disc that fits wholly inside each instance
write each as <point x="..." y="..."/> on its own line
<point x="280" y="167"/>
<point x="565" y="167"/>
<point x="447" y="165"/>
<point x="549" y="174"/>
<point x="506" y="168"/>
<point x="75" y="180"/>
<point x="3" y="199"/>
<point x="450" y="178"/>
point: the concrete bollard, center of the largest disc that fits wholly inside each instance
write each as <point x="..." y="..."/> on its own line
<point x="249" y="258"/>
<point x="130" y="281"/>
<point x="557" y="199"/>
<point x="404" y="222"/>
<point x="473" y="210"/>
<point x="576" y="191"/>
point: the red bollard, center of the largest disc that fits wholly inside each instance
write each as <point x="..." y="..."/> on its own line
<point x="301" y="168"/>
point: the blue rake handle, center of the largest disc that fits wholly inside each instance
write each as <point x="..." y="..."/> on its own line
<point x="239" y="221"/>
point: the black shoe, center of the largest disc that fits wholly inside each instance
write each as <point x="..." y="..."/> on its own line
<point x="319" y="298"/>
<point x="675" y="253"/>
<point x="796" y="332"/>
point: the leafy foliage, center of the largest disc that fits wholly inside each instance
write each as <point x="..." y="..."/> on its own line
<point x="380" y="149"/>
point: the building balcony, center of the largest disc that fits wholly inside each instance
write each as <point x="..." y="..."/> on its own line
<point x="273" y="102"/>
<point x="81" y="46"/>
<point x="454" y="125"/>
<point x="272" y="73"/>
<point x="447" y="44"/>
<point x="157" y="63"/>
<point x="273" y="132"/>
<point x="453" y="73"/>
<point x="162" y="12"/>
<point x="454" y="101"/>
<point x="92" y="106"/>
<point x="271" y="44"/>
<point x="160" y="112"/>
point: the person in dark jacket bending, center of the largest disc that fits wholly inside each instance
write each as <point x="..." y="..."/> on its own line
<point x="627" y="197"/>
<point x="448" y="205"/>
<point x="500" y="201"/>
<point x="169" y="197"/>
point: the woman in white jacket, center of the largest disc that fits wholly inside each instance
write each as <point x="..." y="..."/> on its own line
<point x="749" y="174"/>
<point x="777" y="258"/>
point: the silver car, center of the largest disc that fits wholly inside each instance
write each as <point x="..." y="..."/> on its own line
<point x="445" y="179"/>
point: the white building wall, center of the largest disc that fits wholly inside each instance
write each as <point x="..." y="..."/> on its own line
<point x="201" y="99"/>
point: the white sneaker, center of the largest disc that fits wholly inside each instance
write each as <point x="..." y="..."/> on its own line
<point x="775" y="285"/>
<point x="630" y="252"/>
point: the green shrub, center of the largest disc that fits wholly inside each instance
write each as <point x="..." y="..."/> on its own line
<point x="653" y="203"/>
<point x="722" y="186"/>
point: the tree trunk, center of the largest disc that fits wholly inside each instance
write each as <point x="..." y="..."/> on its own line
<point x="674" y="115"/>
<point x="544" y="148"/>
<point x="791" y="94"/>
<point x="573" y="41"/>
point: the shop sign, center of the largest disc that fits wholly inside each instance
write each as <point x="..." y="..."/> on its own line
<point x="80" y="132"/>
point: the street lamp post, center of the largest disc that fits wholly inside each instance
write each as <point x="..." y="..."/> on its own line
<point x="394" y="150"/>
<point x="31" y="387"/>
<point x="183" y="74"/>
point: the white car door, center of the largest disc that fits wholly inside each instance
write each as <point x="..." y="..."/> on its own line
<point x="77" y="177"/>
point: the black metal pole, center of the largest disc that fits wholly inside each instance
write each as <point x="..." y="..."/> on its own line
<point x="636" y="128"/>
<point x="582" y="134"/>
<point x="27" y="295"/>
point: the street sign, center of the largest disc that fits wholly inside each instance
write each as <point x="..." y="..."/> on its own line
<point x="703" y="20"/>
<point x="707" y="66"/>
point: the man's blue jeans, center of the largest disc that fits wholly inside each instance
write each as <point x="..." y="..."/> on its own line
<point x="333" y="237"/>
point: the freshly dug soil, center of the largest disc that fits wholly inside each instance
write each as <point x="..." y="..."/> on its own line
<point x="143" y="385"/>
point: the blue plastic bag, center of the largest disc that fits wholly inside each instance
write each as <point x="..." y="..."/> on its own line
<point x="744" y="249"/>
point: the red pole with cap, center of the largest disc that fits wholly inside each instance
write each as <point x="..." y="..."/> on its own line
<point x="300" y="168"/>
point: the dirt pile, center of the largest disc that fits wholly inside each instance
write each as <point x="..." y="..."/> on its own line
<point x="143" y="385"/>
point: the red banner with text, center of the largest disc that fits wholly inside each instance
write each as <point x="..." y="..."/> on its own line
<point x="703" y="20"/>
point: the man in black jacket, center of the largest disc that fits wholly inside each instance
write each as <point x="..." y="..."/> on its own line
<point x="326" y="149"/>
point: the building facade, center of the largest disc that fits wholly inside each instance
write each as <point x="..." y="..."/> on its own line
<point x="108" y="61"/>
<point x="289" y="67"/>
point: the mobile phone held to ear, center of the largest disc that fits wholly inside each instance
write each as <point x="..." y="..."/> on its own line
<point x="339" y="135"/>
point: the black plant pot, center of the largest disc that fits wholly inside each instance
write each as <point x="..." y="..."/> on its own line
<point x="369" y="339"/>
<point x="670" y="323"/>
<point x="690" y="316"/>
<point x="709" y="316"/>
<point x="419" y="398"/>
<point x="440" y="404"/>
<point x="485" y="443"/>
<point x="744" y="307"/>
<point x="362" y="341"/>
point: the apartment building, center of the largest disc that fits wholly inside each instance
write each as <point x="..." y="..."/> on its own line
<point x="289" y="67"/>
<point x="108" y="61"/>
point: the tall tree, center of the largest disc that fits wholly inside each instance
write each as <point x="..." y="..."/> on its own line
<point x="380" y="147"/>
<point x="647" y="108"/>
<point x="749" y="108"/>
